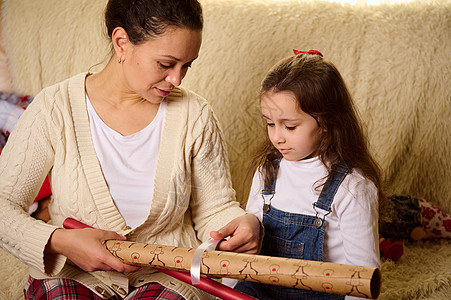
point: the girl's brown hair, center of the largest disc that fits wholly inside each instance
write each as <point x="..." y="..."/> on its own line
<point x="322" y="93"/>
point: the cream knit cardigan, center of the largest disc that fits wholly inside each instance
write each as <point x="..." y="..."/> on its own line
<point x="192" y="188"/>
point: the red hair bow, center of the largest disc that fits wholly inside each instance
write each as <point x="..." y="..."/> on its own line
<point x="313" y="52"/>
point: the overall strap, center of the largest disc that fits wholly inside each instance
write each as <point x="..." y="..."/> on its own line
<point x="325" y="199"/>
<point x="269" y="190"/>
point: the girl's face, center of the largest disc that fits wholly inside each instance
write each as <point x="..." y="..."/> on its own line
<point x="293" y="132"/>
<point x="152" y="69"/>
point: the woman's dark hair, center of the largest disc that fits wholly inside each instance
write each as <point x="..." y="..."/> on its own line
<point x="321" y="92"/>
<point x="144" y="19"/>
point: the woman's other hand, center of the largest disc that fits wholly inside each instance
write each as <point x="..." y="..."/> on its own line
<point x="244" y="235"/>
<point x="85" y="248"/>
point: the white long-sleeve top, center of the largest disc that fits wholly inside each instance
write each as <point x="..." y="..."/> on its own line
<point x="352" y="226"/>
<point x="352" y="235"/>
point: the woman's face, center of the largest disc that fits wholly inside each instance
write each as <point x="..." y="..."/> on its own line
<point x="152" y="69"/>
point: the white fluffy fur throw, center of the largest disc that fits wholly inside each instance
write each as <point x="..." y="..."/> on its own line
<point x="396" y="60"/>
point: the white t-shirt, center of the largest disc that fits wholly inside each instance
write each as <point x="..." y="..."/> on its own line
<point x="128" y="163"/>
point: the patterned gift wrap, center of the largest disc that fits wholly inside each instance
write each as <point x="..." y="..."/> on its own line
<point x="326" y="277"/>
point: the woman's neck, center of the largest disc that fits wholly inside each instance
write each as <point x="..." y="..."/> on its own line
<point x="125" y="112"/>
<point x="108" y="85"/>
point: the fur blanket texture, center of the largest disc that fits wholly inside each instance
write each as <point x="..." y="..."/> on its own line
<point x="395" y="58"/>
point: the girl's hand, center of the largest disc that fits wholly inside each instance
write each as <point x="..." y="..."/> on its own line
<point x="244" y="235"/>
<point x="85" y="248"/>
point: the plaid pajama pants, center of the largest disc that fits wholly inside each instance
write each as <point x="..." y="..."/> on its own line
<point x="62" y="289"/>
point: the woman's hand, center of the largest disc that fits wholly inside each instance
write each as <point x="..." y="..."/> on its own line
<point x="244" y="235"/>
<point x="85" y="248"/>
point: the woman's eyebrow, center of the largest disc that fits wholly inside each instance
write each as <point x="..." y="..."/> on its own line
<point x="178" y="59"/>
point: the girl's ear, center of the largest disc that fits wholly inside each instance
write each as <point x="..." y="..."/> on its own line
<point x="120" y="42"/>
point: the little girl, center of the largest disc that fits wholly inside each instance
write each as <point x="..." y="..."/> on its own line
<point x="315" y="187"/>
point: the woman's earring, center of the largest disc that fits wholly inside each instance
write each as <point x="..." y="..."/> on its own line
<point x="119" y="60"/>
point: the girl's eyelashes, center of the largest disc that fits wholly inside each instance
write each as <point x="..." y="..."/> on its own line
<point x="287" y="127"/>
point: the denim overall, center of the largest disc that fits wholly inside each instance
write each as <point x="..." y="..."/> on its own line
<point x="297" y="236"/>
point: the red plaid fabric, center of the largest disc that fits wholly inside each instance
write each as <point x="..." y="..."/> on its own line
<point x="62" y="289"/>
<point x="57" y="289"/>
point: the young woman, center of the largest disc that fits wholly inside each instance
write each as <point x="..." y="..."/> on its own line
<point x="127" y="152"/>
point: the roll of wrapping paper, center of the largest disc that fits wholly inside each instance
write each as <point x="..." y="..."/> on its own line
<point x="295" y="273"/>
<point x="210" y="286"/>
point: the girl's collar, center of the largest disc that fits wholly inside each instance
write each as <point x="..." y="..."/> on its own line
<point x="309" y="162"/>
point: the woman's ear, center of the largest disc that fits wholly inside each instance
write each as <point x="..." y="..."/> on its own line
<point x="120" y="42"/>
